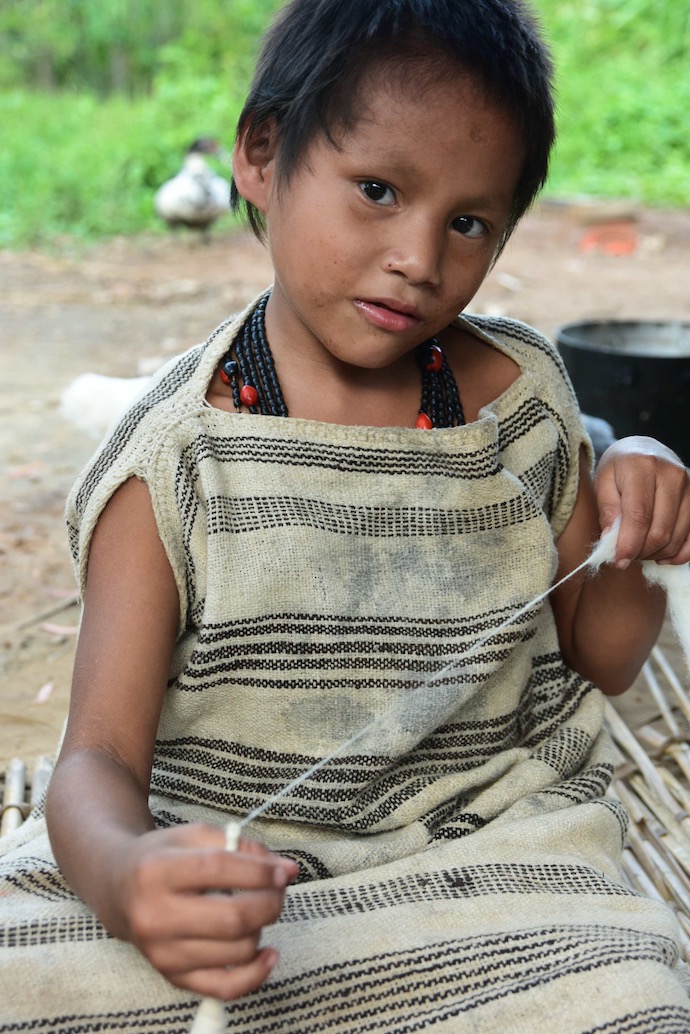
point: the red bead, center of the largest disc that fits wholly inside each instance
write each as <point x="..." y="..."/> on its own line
<point x="223" y="376"/>
<point x="423" y="422"/>
<point x="435" y="359"/>
<point x="249" y="396"/>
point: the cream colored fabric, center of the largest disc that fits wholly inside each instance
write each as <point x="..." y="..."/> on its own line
<point x="459" y="863"/>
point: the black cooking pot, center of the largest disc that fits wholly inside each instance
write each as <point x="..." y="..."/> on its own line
<point x="636" y="375"/>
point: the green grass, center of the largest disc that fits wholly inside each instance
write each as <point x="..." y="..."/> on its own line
<point x="87" y="167"/>
<point x="623" y="98"/>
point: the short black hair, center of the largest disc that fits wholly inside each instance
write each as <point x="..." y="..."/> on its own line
<point x="317" y="52"/>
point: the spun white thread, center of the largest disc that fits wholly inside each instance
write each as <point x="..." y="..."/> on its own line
<point x="210" y="1016"/>
<point x="603" y="552"/>
<point x="675" y="580"/>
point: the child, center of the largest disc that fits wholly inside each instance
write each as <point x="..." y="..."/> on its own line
<point x="290" y="534"/>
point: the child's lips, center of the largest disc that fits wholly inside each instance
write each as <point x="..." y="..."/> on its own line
<point x="388" y="313"/>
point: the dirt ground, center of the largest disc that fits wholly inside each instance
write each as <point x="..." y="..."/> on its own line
<point x="130" y="302"/>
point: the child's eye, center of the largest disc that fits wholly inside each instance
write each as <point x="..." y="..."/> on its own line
<point x="378" y="192"/>
<point x="468" y="226"/>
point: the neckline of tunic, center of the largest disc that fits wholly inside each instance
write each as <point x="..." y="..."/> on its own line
<point x="477" y="433"/>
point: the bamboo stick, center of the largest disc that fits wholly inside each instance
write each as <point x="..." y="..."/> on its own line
<point x="654" y="741"/>
<point x="680" y="792"/>
<point x="625" y="739"/>
<point x="659" y="698"/>
<point x="637" y="876"/>
<point x="681" y="756"/>
<point x="13" y="797"/>
<point x="673" y="681"/>
<point x="668" y="850"/>
<point x="648" y="863"/>
<point x="671" y="819"/>
<point x="646" y="841"/>
<point x="639" y="881"/>
<point x="43" y="769"/>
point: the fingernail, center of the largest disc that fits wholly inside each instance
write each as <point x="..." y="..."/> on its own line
<point x="280" y="876"/>
<point x="622" y="564"/>
<point x="271" y="958"/>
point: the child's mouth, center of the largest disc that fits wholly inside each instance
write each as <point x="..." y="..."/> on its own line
<point x="388" y="314"/>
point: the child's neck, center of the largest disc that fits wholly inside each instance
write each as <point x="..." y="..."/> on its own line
<point x="336" y="393"/>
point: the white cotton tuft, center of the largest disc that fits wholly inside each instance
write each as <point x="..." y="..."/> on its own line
<point x="675" y="580"/>
<point x="605" y="550"/>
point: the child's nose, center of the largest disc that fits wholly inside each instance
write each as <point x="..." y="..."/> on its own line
<point x="416" y="253"/>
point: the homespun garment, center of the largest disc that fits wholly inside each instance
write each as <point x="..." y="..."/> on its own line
<point x="459" y="863"/>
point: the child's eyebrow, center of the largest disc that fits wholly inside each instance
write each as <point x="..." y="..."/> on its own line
<point x="395" y="162"/>
<point x="483" y="202"/>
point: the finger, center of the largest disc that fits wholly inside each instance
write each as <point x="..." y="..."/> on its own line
<point x="199" y="835"/>
<point x="229" y="984"/>
<point x="608" y="490"/>
<point x="678" y="549"/>
<point x="202" y="870"/>
<point x="253" y="847"/>
<point x="670" y="524"/>
<point x="183" y="956"/>
<point x="214" y="916"/>
<point x="636" y="511"/>
<point x="203" y="917"/>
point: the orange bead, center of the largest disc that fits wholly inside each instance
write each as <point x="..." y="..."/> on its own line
<point x="423" y="422"/>
<point x="249" y="396"/>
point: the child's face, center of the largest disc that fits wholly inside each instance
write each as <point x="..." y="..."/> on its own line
<point x="378" y="244"/>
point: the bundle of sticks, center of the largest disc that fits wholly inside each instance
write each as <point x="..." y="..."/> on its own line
<point x="20" y="792"/>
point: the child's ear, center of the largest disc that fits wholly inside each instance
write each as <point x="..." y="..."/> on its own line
<point x="253" y="163"/>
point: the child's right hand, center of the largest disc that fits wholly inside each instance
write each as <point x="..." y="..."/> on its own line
<point x="196" y="911"/>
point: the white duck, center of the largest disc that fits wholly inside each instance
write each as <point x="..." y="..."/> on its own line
<point x="196" y="197"/>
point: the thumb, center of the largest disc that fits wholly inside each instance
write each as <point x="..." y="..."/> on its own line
<point x="608" y="498"/>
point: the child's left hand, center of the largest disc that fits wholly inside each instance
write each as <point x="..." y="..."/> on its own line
<point x="645" y="484"/>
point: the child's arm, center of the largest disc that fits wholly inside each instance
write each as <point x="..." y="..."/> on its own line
<point x="148" y="887"/>
<point x="608" y="624"/>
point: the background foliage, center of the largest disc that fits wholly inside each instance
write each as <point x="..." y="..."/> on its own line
<point x="100" y="98"/>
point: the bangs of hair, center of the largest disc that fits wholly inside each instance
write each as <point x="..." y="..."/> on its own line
<point x="317" y="55"/>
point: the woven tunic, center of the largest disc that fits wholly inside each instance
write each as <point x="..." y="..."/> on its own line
<point x="346" y="593"/>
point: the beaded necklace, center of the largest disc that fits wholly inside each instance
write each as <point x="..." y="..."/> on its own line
<point x="250" y="362"/>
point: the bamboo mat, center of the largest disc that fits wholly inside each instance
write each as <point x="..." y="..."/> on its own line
<point x="651" y="731"/>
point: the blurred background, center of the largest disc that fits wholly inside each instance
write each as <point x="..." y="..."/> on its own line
<point x="100" y="98"/>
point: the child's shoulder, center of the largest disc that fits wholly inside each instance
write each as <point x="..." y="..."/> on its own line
<point x="528" y="346"/>
<point x="537" y="357"/>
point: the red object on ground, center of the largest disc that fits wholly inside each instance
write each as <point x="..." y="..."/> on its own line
<point x="616" y="238"/>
